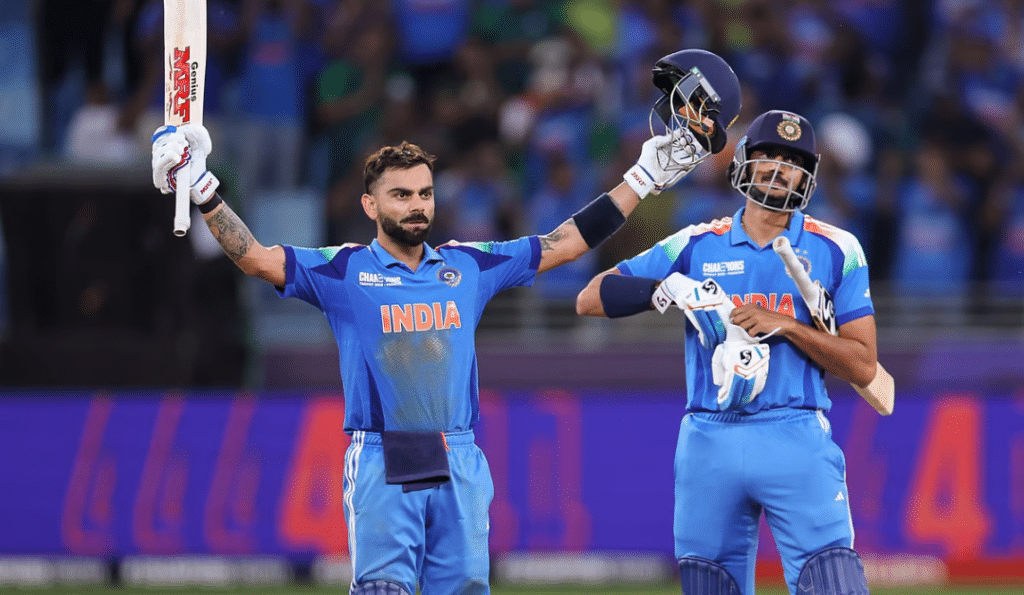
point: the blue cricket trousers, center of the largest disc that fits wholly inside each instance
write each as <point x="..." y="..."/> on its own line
<point x="435" y="538"/>
<point x="730" y="467"/>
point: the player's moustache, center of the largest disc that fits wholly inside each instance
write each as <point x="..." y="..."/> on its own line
<point x="777" y="178"/>
<point x="416" y="218"/>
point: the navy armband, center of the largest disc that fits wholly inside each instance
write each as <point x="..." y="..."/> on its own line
<point x="622" y="295"/>
<point x="210" y="204"/>
<point x="599" y="220"/>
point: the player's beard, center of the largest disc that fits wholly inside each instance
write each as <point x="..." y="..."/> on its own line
<point x="407" y="237"/>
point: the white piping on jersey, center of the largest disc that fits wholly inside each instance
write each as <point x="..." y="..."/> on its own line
<point x="849" y="515"/>
<point x="351" y="473"/>
<point x="827" y="427"/>
<point x="825" y="424"/>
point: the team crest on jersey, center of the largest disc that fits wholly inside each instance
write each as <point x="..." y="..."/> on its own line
<point x="804" y="262"/>
<point x="789" y="128"/>
<point x="450" y="275"/>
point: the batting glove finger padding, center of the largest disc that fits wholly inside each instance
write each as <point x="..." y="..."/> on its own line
<point x="825" y="310"/>
<point x="740" y="370"/>
<point x="183" y="146"/>
<point x="170" y="153"/>
<point x="198" y="137"/>
<point x="678" y="157"/>
<point x="670" y="291"/>
<point x="707" y="307"/>
<point x="658" y="166"/>
<point x="705" y="304"/>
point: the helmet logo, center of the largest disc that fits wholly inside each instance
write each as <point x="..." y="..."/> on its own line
<point x="789" y="128"/>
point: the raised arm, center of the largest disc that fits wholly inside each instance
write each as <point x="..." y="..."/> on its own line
<point x="188" y="146"/>
<point x="600" y="219"/>
<point x="566" y="243"/>
<point x="255" y="259"/>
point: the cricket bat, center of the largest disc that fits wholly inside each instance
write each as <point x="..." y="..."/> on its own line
<point x="184" y="79"/>
<point x="880" y="393"/>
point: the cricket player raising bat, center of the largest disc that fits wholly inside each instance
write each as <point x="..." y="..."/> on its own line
<point x="404" y="314"/>
<point x="756" y="439"/>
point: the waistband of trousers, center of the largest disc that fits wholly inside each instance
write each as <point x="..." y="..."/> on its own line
<point x="367" y="437"/>
<point x="768" y="415"/>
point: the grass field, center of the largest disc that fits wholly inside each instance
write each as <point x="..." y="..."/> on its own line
<point x="499" y="590"/>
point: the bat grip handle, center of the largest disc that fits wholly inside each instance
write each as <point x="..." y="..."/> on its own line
<point x="182" y="218"/>
<point x="796" y="270"/>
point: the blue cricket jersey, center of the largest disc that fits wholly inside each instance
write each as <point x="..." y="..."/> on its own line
<point x="723" y="251"/>
<point x="406" y="340"/>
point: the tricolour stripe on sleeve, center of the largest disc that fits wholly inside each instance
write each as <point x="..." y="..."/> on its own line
<point x="674" y="244"/>
<point x="853" y="254"/>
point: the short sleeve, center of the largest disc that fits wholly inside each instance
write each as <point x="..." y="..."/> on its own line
<point x="661" y="259"/>
<point x="852" y="299"/>
<point x="852" y="296"/>
<point x="307" y="269"/>
<point x="503" y="264"/>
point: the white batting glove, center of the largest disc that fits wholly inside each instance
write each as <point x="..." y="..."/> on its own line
<point x="175" y="147"/>
<point x="707" y="308"/>
<point x="740" y="370"/>
<point x="671" y="290"/>
<point x="705" y="304"/>
<point x="664" y="160"/>
<point x="824" y="312"/>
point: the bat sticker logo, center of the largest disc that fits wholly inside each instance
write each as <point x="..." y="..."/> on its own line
<point x="181" y="74"/>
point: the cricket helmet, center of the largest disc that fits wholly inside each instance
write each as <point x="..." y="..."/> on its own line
<point x="703" y="82"/>
<point x="781" y="136"/>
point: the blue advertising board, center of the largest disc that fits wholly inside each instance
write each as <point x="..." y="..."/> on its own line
<point x="116" y="474"/>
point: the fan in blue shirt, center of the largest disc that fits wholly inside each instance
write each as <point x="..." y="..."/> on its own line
<point x="417" y="489"/>
<point x="756" y="438"/>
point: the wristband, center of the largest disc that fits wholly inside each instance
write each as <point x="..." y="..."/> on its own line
<point x="210" y="204"/>
<point x="622" y="295"/>
<point x="599" y="220"/>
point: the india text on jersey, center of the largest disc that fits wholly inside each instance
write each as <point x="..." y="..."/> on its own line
<point x="396" y="318"/>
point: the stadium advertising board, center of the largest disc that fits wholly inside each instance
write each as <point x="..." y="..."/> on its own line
<point x="129" y="473"/>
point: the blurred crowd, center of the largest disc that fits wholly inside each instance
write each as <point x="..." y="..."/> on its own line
<point x="533" y="107"/>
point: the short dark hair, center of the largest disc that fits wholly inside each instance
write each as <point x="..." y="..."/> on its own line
<point x="403" y="156"/>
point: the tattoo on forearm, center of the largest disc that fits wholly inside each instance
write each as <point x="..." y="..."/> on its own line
<point x="234" y="237"/>
<point x="548" y="242"/>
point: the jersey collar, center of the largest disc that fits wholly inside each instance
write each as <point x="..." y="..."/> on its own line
<point x="738" y="236"/>
<point x="385" y="257"/>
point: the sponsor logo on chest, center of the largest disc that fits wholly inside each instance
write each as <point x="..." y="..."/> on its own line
<point x="727" y="267"/>
<point x="378" y="280"/>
